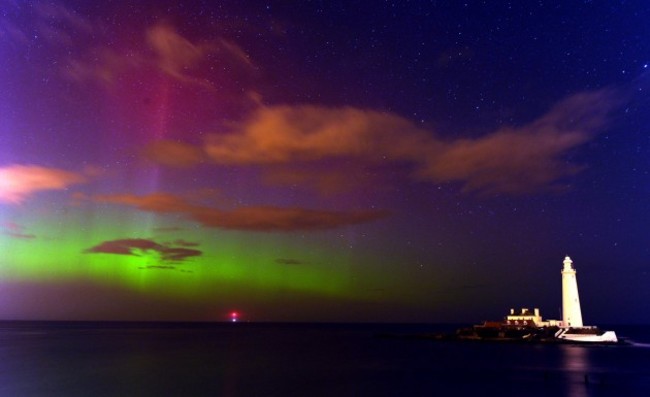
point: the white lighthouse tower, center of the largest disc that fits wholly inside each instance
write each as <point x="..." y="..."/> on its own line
<point x="571" y="313"/>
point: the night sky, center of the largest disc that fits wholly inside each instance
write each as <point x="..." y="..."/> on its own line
<point x="323" y="161"/>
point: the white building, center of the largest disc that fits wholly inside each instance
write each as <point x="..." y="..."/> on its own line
<point x="571" y="313"/>
<point x="527" y="318"/>
<point x="571" y="328"/>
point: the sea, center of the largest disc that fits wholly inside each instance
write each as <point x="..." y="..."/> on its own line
<point x="306" y="359"/>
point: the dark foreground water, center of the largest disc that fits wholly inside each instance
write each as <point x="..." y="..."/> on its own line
<point x="113" y="359"/>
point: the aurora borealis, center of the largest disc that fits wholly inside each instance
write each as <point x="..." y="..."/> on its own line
<point x="344" y="161"/>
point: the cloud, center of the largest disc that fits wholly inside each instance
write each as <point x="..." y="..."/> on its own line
<point x="283" y="134"/>
<point x="123" y="247"/>
<point x="236" y="53"/>
<point x="21" y="236"/>
<point x="57" y="13"/>
<point x="19" y="182"/>
<point x="283" y="219"/>
<point x="105" y="67"/>
<point x="12" y="227"/>
<point x="515" y="160"/>
<point x="162" y="50"/>
<point x="51" y="22"/>
<point x="508" y="160"/>
<point x="172" y="153"/>
<point x="261" y="219"/>
<point x="175" y="54"/>
<point x="171" y="254"/>
<point x="162" y="203"/>
<point x="181" y="58"/>
<point x="15" y="230"/>
<point x="139" y="246"/>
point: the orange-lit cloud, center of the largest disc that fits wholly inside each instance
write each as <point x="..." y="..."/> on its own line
<point x="247" y="218"/>
<point x="175" y="54"/>
<point x="236" y="53"/>
<point x="515" y="160"/>
<point x="19" y="182"/>
<point x="162" y="203"/>
<point x="508" y="160"/>
<point x="172" y="153"/>
<point x="284" y="134"/>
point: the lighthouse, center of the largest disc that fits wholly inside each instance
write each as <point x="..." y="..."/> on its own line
<point x="571" y="313"/>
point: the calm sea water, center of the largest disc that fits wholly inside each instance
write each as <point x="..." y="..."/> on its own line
<point x="113" y="359"/>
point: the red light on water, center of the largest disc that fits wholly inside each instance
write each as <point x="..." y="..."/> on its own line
<point x="234" y="316"/>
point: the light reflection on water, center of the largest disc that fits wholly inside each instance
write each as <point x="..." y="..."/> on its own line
<point x="314" y="360"/>
<point x="619" y="370"/>
<point x="577" y="367"/>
